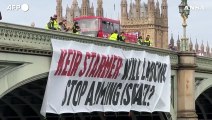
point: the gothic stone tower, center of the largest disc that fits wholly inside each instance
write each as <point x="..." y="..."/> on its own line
<point x="146" y="19"/>
<point x="76" y="11"/>
<point x="99" y="10"/>
<point x="59" y="10"/>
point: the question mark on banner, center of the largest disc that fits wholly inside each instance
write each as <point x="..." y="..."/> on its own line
<point x="151" y="94"/>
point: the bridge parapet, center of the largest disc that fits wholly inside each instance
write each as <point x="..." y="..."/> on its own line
<point x="204" y="64"/>
<point x="29" y="40"/>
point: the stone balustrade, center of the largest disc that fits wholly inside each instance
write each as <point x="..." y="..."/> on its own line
<point x="30" y="40"/>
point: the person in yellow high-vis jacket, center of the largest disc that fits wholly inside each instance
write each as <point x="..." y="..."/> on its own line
<point x="147" y="41"/>
<point x="53" y="24"/>
<point x="114" y="36"/>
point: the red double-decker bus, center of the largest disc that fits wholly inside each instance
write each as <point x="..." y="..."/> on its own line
<point x="91" y="25"/>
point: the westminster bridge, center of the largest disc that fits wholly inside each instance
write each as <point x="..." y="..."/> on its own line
<point x="25" y="56"/>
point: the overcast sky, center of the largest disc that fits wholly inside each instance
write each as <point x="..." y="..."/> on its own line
<point x="199" y="21"/>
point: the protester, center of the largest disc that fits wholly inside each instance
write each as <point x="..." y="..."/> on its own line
<point x="114" y="36"/>
<point x="50" y="24"/>
<point x="76" y="28"/>
<point x="100" y="34"/>
<point x="56" y="25"/>
<point x="53" y="24"/>
<point x="140" y="40"/>
<point x="147" y="41"/>
<point x="63" y="26"/>
<point x="108" y="36"/>
<point x="122" y="37"/>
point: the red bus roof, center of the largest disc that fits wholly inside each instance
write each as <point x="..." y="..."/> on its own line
<point x="97" y="17"/>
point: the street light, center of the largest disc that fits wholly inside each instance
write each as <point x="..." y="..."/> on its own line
<point x="181" y="8"/>
<point x="184" y="10"/>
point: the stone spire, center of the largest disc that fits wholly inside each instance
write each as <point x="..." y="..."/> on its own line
<point x="131" y="10"/>
<point x="164" y="12"/>
<point x="59" y="10"/>
<point x="99" y="10"/>
<point x="85" y="8"/>
<point x="143" y="10"/>
<point x="151" y="5"/>
<point x="74" y="6"/>
<point x="77" y="12"/>
<point x="207" y="49"/>
<point x="89" y="8"/>
<point x="157" y="10"/>
<point x="124" y="15"/>
<point x="202" y="48"/>
<point x="138" y="7"/>
<point x="134" y="11"/>
<point x="67" y="16"/>
<point x="178" y="43"/>
<point x="67" y="10"/>
<point x="88" y="3"/>
<point x="164" y="8"/>
<point x="92" y="10"/>
<point x="172" y="40"/>
<point x="196" y="47"/>
<point x="72" y="12"/>
<point x="190" y="45"/>
<point x="151" y="11"/>
<point x="75" y="3"/>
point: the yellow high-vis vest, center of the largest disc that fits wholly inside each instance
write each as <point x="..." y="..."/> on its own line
<point x="113" y="37"/>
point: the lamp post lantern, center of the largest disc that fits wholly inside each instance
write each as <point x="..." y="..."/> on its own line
<point x="184" y="10"/>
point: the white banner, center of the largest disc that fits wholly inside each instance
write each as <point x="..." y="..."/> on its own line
<point x="86" y="77"/>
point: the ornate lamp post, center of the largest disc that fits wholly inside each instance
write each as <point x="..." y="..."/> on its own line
<point x="184" y="10"/>
<point x="186" y="73"/>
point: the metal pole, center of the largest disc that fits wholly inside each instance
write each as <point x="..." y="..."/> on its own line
<point x="184" y="34"/>
<point x="184" y="27"/>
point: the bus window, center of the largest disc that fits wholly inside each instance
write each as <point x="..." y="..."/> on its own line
<point x="111" y="27"/>
<point x="89" y="27"/>
<point x="107" y="27"/>
<point x="116" y="27"/>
